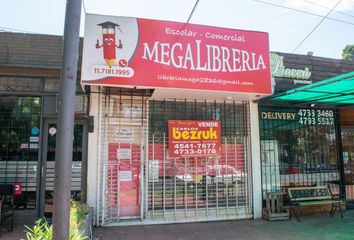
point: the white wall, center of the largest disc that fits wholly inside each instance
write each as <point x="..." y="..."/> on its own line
<point x="256" y="161"/>
<point x="93" y="154"/>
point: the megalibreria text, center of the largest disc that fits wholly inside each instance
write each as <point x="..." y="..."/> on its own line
<point x="216" y="58"/>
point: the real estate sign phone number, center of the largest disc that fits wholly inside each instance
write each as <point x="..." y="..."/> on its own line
<point x="315" y="117"/>
<point x="194" y="148"/>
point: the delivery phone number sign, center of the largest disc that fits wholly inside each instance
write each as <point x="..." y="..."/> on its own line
<point x="189" y="138"/>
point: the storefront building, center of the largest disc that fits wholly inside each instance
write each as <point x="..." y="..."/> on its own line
<point x="306" y="143"/>
<point x="29" y="82"/>
<point x="175" y="129"/>
<point x="126" y="127"/>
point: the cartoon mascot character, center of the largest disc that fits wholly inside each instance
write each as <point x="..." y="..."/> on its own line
<point x="109" y="42"/>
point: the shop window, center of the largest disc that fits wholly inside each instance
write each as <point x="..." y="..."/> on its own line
<point x="19" y="144"/>
<point x="348" y="162"/>
<point x="139" y="172"/>
<point x="52" y="85"/>
<point x="77" y="143"/>
<point x="198" y="182"/>
<point x="298" y="148"/>
<point x="20" y="84"/>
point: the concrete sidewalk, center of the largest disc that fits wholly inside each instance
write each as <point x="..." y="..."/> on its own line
<point x="22" y="218"/>
<point x="316" y="227"/>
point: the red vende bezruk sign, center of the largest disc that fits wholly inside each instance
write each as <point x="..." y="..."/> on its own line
<point x="194" y="138"/>
<point x="162" y="54"/>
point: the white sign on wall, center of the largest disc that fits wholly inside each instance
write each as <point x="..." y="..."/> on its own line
<point x="153" y="170"/>
<point x="124" y="135"/>
<point x="125" y="176"/>
<point x="124" y="153"/>
<point x="34" y="139"/>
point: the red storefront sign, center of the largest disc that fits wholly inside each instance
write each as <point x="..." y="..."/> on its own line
<point x="194" y="138"/>
<point x="122" y="51"/>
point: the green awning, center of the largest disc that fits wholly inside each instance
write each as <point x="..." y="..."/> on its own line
<point x="338" y="90"/>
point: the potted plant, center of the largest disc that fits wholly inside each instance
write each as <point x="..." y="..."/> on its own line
<point x="81" y="218"/>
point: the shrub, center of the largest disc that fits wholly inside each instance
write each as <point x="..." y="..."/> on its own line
<point x="78" y="213"/>
<point x="42" y="230"/>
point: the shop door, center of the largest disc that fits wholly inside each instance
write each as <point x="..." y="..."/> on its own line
<point x="122" y="153"/>
<point x="124" y="172"/>
<point x="348" y="161"/>
<point x="49" y="151"/>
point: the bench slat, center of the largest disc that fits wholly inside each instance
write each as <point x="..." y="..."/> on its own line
<point x="309" y="193"/>
<point x="318" y="202"/>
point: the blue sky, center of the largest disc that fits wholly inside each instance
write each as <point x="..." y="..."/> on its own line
<point x="286" y="27"/>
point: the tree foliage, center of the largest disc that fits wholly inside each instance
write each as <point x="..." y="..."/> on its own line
<point x="348" y="52"/>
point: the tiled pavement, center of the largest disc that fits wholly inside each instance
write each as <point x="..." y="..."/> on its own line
<point x="315" y="227"/>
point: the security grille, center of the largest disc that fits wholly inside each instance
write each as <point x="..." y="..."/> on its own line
<point x="198" y="188"/>
<point x="122" y="143"/>
<point x="348" y="162"/>
<point x="141" y="181"/>
<point x="18" y="146"/>
<point x="298" y="148"/>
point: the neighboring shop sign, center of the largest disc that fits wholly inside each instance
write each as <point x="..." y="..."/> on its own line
<point x="24" y="145"/>
<point x="304" y="116"/>
<point x="118" y="51"/>
<point x="279" y="70"/>
<point x="34" y="139"/>
<point x="194" y="138"/>
<point x="52" y="131"/>
<point x="315" y="117"/>
<point x="18" y="188"/>
<point x="33" y="145"/>
<point x="35" y="131"/>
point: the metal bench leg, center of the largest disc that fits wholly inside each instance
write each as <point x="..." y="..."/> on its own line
<point x="333" y="210"/>
<point x="340" y="209"/>
<point x="12" y="222"/>
<point x="295" y="212"/>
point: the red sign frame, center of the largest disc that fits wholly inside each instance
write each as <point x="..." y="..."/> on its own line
<point x="162" y="54"/>
<point x="187" y="138"/>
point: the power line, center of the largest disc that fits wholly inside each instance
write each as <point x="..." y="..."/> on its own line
<point x="302" y="11"/>
<point x="6" y="29"/>
<point x="325" y="7"/>
<point x="191" y="14"/>
<point x="308" y="35"/>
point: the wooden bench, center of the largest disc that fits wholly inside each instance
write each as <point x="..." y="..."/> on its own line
<point x="301" y="196"/>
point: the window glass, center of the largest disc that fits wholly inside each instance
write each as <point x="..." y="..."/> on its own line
<point x="19" y="145"/>
<point x="20" y="84"/>
<point x="197" y="181"/>
<point x="298" y="148"/>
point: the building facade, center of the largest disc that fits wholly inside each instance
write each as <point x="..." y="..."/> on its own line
<point x="122" y="163"/>
<point x="175" y="134"/>
<point x="306" y="143"/>
<point x="29" y="83"/>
